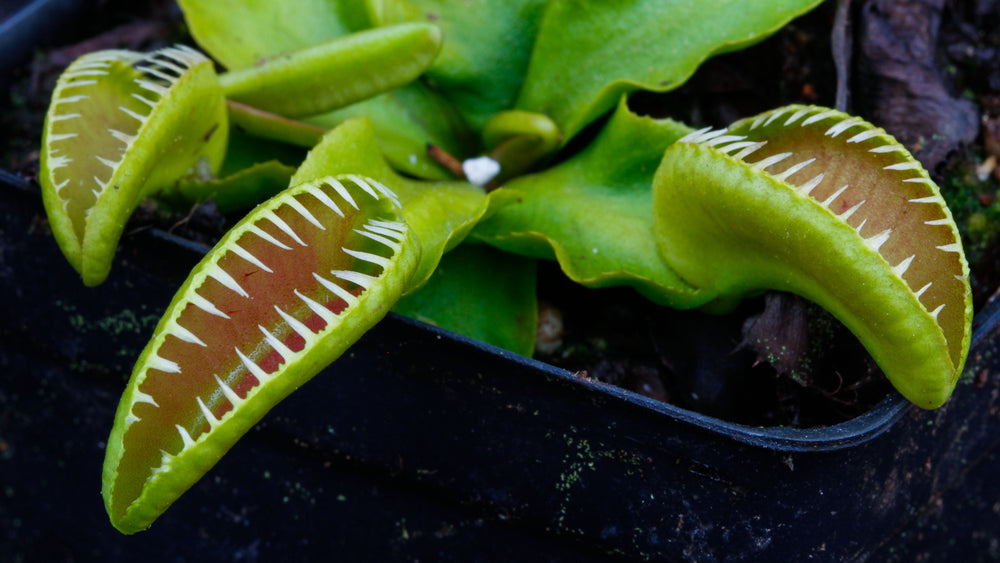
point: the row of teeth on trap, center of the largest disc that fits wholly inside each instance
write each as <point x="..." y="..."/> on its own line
<point x="159" y="71"/>
<point x="739" y="148"/>
<point x="390" y="234"/>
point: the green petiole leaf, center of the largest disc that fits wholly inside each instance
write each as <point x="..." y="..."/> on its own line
<point x="483" y="293"/>
<point x="271" y="126"/>
<point x="593" y="212"/>
<point x="405" y="119"/>
<point x="590" y="52"/>
<point x="336" y="73"/>
<point x="486" y="51"/>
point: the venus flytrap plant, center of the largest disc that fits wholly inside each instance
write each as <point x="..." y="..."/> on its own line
<point x="801" y="199"/>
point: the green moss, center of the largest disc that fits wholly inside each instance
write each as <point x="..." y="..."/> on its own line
<point x="123" y="322"/>
<point x="975" y="203"/>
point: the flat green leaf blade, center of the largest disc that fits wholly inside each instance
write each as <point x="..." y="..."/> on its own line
<point x="246" y="150"/>
<point x="486" y="52"/>
<point x="405" y="122"/>
<point x="589" y="52"/>
<point x="482" y="293"/>
<point x="337" y="72"/>
<point x="593" y="212"/>
<point x="282" y="295"/>
<point x="238" y="33"/>
<point x="253" y="171"/>
<point x="240" y="190"/>
<point x="406" y="119"/>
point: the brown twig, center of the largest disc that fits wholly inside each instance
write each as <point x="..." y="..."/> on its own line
<point x="444" y="158"/>
<point x="841" y="45"/>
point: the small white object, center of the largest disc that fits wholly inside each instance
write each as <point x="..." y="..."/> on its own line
<point x="480" y="170"/>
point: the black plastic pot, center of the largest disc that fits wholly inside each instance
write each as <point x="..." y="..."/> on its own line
<point x="419" y="444"/>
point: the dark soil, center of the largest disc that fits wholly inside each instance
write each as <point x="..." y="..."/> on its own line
<point x="710" y="363"/>
<point x="927" y="71"/>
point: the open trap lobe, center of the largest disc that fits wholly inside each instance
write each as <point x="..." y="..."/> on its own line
<point x="281" y="283"/>
<point x="865" y="178"/>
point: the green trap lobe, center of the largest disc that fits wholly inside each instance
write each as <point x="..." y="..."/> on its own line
<point x="863" y="176"/>
<point x="819" y="203"/>
<point x="251" y="309"/>
<point x="120" y="127"/>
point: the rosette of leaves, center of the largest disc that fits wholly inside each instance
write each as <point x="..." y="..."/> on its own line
<point x="370" y="215"/>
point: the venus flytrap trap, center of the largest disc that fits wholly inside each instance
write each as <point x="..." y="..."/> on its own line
<point x="283" y="294"/>
<point x="816" y="202"/>
<point x="120" y="127"/>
